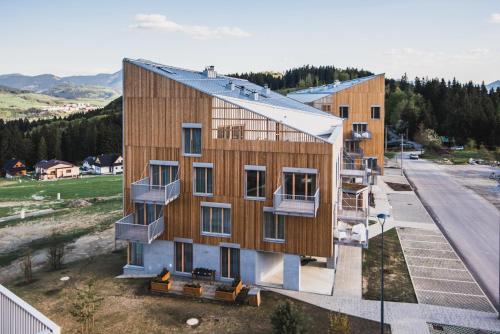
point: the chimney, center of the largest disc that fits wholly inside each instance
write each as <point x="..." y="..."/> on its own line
<point x="336" y="82"/>
<point x="210" y="72"/>
<point x="230" y="85"/>
<point x="266" y="91"/>
<point x="242" y="90"/>
<point x="255" y="95"/>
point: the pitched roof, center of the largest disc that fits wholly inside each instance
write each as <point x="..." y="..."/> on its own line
<point x="272" y="105"/>
<point x="90" y="159"/>
<point x="107" y="160"/>
<point x="9" y="164"/>
<point x="315" y="93"/>
<point x="51" y="163"/>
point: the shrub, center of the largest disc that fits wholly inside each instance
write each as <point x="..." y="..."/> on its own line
<point x="287" y="319"/>
<point x="56" y="252"/>
<point x="225" y="288"/>
<point x="193" y="285"/>
<point x="85" y="306"/>
<point x="27" y="267"/>
<point x="339" y="324"/>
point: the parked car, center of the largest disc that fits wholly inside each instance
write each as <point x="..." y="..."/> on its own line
<point x="495" y="176"/>
<point x="413" y="156"/>
<point x="457" y="148"/>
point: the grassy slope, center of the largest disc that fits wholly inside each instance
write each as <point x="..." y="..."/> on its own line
<point x="87" y="187"/>
<point x="462" y="157"/>
<point x="397" y="282"/>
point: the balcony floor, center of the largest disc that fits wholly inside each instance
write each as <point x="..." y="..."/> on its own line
<point x="295" y="207"/>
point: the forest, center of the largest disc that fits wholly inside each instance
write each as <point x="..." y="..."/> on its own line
<point x="462" y="112"/>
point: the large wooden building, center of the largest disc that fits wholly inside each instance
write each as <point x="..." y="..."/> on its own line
<point x="220" y="173"/>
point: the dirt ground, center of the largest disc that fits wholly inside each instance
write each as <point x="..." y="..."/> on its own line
<point x="128" y="306"/>
<point x="475" y="177"/>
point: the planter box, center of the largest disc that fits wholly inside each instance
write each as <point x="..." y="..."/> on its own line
<point x="161" y="286"/>
<point x="190" y="291"/>
<point x="224" y="295"/>
<point x="238" y="287"/>
<point x="166" y="276"/>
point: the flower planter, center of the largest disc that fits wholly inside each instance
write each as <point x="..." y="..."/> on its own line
<point x="192" y="291"/>
<point x="165" y="276"/>
<point x="225" y="295"/>
<point x="161" y="286"/>
<point x="238" y="286"/>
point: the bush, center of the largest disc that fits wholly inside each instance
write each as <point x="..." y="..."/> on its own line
<point x="339" y="324"/>
<point x="27" y="267"/>
<point x="287" y="319"/>
<point x="85" y="306"/>
<point x="56" y="252"/>
<point x="225" y="288"/>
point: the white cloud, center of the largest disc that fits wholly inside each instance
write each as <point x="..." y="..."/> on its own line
<point x="161" y="23"/>
<point x="495" y="18"/>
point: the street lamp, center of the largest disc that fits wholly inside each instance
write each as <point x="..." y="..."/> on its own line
<point x="381" y="217"/>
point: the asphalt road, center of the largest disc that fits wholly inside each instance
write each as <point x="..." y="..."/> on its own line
<point x="470" y="222"/>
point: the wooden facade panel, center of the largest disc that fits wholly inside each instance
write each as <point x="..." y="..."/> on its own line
<point x="154" y="113"/>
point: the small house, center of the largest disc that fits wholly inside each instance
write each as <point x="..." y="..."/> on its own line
<point x="55" y="169"/>
<point x="88" y="163"/>
<point x="108" y="164"/>
<point x="13" y="167"/>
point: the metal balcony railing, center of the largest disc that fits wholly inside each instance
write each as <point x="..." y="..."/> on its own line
<point x="127" y="229"/>
<point x="349" y="212"/>
<point x="295" y="205"/>
<point x="143" y="190"/>
<point x="361" y="135"/>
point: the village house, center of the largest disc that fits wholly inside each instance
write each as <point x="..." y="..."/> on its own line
<point x="12" y="168"/>
<point x="108" y="164"/>
<point x="55" y="169"/>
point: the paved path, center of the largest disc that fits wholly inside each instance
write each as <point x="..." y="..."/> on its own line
<point x="27" y="215"/>
<point x="470" y="222"/>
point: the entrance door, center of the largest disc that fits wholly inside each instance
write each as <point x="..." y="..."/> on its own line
<point x="230" y="262"/>
<point x="183" y="257"/>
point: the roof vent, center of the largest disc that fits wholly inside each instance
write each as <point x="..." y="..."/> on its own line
<point x="255" y="95"/>
<point x="242" y="90"/>
<point x="266" y="91"/>
<point x="210" y="72"/>
<point x="230" y="85"/>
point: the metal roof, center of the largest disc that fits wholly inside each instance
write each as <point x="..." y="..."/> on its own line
<point x="275" y="106"/>
<point x="315" y="93"/>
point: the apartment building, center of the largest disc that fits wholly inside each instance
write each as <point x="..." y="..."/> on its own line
<point x="223" y="174"/>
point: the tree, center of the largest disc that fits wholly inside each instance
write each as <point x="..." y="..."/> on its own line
<point x="287" y="319"/>
<point x="86" y="304"/>
<point x="26" y="267"/>
<point x="42" y="150"/>
<point x="56" y="252"/>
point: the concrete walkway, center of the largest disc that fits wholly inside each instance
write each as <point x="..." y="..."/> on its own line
<point x="27" y="215"/>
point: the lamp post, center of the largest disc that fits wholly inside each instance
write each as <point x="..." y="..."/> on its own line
<point x="381" y="217"/>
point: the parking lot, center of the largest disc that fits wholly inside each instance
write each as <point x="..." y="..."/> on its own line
<point x="439" y="276"/>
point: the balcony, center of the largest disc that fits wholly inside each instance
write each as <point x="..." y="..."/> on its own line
<point x="295" y="205"/>
<point x="355" y="168"/>
<point x="126" y="229"/>
<point x="361" y="135"/>
<point x="144" y="191"/>
<point x="351" y="235"/>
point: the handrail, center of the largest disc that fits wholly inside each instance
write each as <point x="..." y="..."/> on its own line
<point x="127" y="229"/>
<point x="359" y="135"/>
<point x="302" y="201"/>
<point x="144" y="190"/>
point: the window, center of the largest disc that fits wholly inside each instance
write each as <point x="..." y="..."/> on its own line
<point x="183" y="257"/>
<point x="255" y="182"/>
<point x="274" y="227"/>
<point x="344" y="111"/>
<point x="325" y="107"/>
<point x="216" y="218"/>
<point x="146" y="213"/>
<point x="371" y="163"/>
<point x="376" y="112"/>
<point x="300" y="185"/>
<point x="68" y="171"/>
<point x="203" y="179"/>
<point x="191" y="134"/>
<point x="359" y="127"/>
<point x="136" y="254"/>
<point x="229" y="262"/>
<point x="231" y="132"/>
<point x="352" y="146"/>
<point x="163" y="172"/>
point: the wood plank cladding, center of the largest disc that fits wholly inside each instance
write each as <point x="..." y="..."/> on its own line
<point x="155" y="108"/>
<point x="360" y="98"/>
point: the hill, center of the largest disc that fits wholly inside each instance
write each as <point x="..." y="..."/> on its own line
<point x="72" y="91"/>
<point x="494" y="85"/>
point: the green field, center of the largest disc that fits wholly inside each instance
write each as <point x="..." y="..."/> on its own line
<point x="87" y="187"/>
<point x="462" y="157"/>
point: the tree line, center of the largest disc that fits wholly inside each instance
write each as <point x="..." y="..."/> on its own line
<point x="72" y="138"/>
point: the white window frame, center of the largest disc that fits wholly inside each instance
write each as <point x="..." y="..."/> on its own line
<point x="267" y="209"/>
<point x="191" y="126"/>
<point x="220" y="206"/>
<point x="258" y="169"/>
<point x="202" y="165"/>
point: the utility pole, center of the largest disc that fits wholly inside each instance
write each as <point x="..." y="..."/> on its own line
<point x="401" y="154"/>
<point x="385" y="132"/>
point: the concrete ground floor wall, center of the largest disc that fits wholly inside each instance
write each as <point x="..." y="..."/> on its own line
<point x="255" y="266"/>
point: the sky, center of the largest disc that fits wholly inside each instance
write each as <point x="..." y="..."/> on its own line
<point x="425" y="38"/>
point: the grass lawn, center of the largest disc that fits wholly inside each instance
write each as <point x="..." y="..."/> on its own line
<point x="461" y="157"/>
<point x="128" y="307"/>
<point x="390" y="154"/>
<point x="87" y="187"/>
<point x="397" y="282"/>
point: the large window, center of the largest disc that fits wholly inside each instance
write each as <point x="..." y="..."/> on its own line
<point x="216" y="219"/>
<point x="146" y="213"/>
<point x="136" y="254"/>
<point x="231" y="132"/>
<point x="326" y="107"/>
<point x="255" y="182"/>
<point x="203" y="179"/>
<point x="375" y="112"/>
<point x="163" y="172"/>
<point x="274" y="227"/>
<point x="300" y="185"/>
<point x="359" y="127"/>
<point x="344" y="111"/>
<point x="183" y="257"/>
<point x="230" y="262"/>
<point x="191" y="134"/>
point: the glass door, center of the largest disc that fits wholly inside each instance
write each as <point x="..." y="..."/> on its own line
<point x="230" y="262"/>
<point x="300" y="186"/>
<point x="183" y="257"/>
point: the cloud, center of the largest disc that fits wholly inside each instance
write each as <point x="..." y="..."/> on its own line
<point x="495" y="18"/>
<point x="161" y="23"/>
<point x="426" y="56"/>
